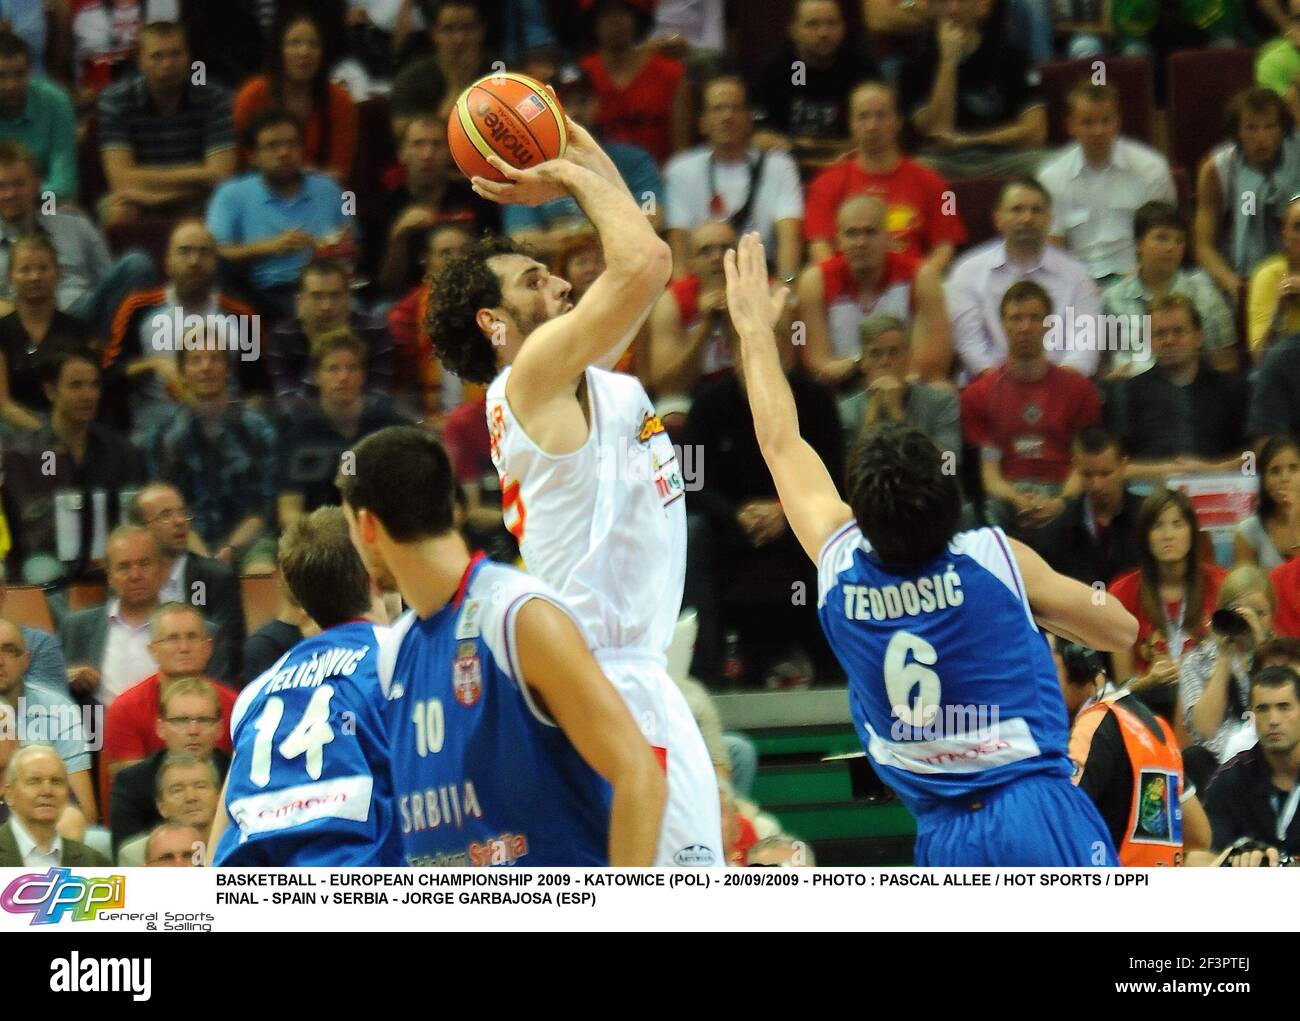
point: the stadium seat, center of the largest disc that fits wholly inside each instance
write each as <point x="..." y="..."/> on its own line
<point x="976" y="199"/>
<point x="376" y="148"/>
<point x="85" y="594"/>
<point x="1131" y="75"/>
<point x="99" y="838"/>
<point x="261" y="598"/>
<point x="1200" y="84"/>
<point x="26" y="605"/>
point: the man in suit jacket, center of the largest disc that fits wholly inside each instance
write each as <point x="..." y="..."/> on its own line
<point x="191" y="577"/>
<point x="1095" y="537"/>
<point x="36" y="791"/>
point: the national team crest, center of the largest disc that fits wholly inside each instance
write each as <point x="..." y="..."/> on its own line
<point x="1033" y="413"/>
<point x="467" y="675"/>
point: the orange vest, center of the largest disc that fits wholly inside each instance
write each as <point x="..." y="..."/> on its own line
<point x="1153" y="834"/>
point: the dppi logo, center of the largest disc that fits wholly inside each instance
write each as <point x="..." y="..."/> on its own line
<point x="49" y="897"/>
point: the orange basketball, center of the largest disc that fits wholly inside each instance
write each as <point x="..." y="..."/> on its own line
<point x="511" y="115"/>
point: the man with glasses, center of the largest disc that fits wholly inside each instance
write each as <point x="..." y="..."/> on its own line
<point x="179" y="642"/>
<point x="206" y="583"/>
<point x="190" y="721"/>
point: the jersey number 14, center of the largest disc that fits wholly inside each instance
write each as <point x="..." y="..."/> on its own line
<point x="308" y="738"/>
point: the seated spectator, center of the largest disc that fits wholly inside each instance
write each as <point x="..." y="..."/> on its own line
<point x="895" y="27"/>
<point x="187" y="791"/>
<point x="323" y="303"/>
<point x="781" y="850"/>
<point x="1094" y="539"/>
<point x="1245" y="796"/>
<point x="1160" y="238"/>
<point x="44" y="657"/>
<point x="91" y="282"/>
<point x="729" y="178"/>
<point x="431" y="84"/>
<point x="696" y="29"/>
<point x="1024" y="415"/>
<point x="1271" y="536"/>
<point x="887" y="395"/>
<point x="36" y="790"/>
<point x="1172" y="593"/>
<point x="1126" y="759"/>
<point x="1235" y="232"/>
<point x="174" y="845"/>
<point x="1273" y="300"/>
<point x="546" y="227"/>
<point x="179" y="640"/>
<point x="1277" y="64"/>
<point x="32" y="330"/>
<point x="220" y="456"/>
<point x="737" y="519"/>
<point x="1214" y="678"/>
<point x="206" y="583"/>
<point x="189" y="722"/>
<point x="37" y="114"/>
<point x="865" y="278"/>
<point x="1098" y="180"/>
<point x="104" y="39"/>
<point x="91" y="467"/>
<point x="972" y="95"/>
<point x="981" y="276"/>
<point x="272" y="220"/>
<point x="691" y="337"/>
<point x="27" y="709"/>
<point x="141" y="355"/>
<point x="298" y="81"/>
<point x="431" y="193"/>
<point x="643" y="94"/>
<point x="921" y="222"/>
<point x="1181" y="416"/>
<point x="313" y="437"/>
<point x="107" y="647"/>
<point x="811" y="120"/>
<point x="469" y="446"/>
<point x="287" y="628"/>
<point x="166" y="142"/>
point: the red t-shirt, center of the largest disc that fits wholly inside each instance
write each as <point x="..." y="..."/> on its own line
<point x="131" y="732"/>
<point x="918" y="217"/>
<point x="1125" y="589"/>
<point x="469" y="445"/>
<point x="641" y="113"/>
<point x="716" y="357"/>
<point x="1032" y="424"/>
<point x="1286" y="587"/>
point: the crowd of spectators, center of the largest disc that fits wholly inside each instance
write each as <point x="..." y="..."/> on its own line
<point x="208" y="294"/>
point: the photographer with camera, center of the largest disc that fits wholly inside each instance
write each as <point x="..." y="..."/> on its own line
<point x="1214" y="679"/>
<point x="1126" y="760"/>
<point x="1257" y="793"/>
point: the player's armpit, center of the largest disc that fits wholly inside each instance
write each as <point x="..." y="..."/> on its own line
<point x="554" y="663"/>
<point x="1091" y="617"/>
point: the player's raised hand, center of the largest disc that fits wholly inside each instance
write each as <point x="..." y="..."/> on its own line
<point x="750" y="300"/>
<point x="530" y="187"/>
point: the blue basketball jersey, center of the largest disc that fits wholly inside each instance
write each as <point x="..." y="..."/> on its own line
<point x="952" y="687"/>
<point x="309" y="783"/>
<point x="482" y="775"/>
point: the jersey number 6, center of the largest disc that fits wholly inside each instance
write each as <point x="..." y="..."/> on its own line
<point x="902" y="678"/>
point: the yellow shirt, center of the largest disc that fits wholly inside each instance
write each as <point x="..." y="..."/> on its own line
<point x="1261" y="305"/>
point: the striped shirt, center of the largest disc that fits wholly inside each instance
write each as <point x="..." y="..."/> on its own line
<point x="128" y="118"/>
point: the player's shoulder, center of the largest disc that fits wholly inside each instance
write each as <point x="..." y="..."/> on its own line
<point x="990" y="549"/>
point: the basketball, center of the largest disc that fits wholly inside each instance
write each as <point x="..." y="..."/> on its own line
<point x="511" y="115"/>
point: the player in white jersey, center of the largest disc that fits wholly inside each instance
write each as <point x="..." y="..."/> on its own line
<point x="591" y="487"/>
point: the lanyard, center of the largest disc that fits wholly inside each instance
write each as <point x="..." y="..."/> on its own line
<point x="1285" y="811"/>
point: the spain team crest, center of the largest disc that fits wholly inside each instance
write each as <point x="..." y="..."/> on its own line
<point x="467" y="675"/>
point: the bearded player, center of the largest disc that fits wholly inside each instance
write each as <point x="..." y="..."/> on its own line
<point x="590" y="483"/>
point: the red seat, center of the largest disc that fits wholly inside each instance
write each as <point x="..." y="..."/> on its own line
<point x="260" y="595"/>
<point x="1132" y="76"/>
<point x="977" y="197"/>
<point x="26" y="605"/>
<point x="1201" y="82"/>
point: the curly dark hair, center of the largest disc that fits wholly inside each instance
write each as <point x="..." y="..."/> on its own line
<point x="465" y="285"/>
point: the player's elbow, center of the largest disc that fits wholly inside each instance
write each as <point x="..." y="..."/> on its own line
<point x="1121" y="630"/>
<point x="650" y="267"/>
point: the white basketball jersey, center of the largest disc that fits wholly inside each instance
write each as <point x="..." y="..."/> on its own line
<point x="606" y="524"/>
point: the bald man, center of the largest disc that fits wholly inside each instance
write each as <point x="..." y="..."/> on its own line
<point x="36" y="791"/>
<point x="866" y="278"/>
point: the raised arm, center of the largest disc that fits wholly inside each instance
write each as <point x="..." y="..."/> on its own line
<point x="555" y="663"/>
<point x="809" y="498"/>
<point x="1071" y="609"/>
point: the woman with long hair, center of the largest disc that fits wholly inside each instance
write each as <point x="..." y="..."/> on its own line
<point x="1271" y="536"/>
<point x="298" y="81"/>
<point x="1172" y="593"/>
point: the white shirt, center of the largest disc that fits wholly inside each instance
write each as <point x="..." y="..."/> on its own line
<point x="1093" y="208"/>
<point x="689" y="195"/>
<point x="699" y="22"/>
<point x="28" y="850"/>
<point x="127" y="659"/>
<point x="974" y="291"/>
<point x="174" y="590"/>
